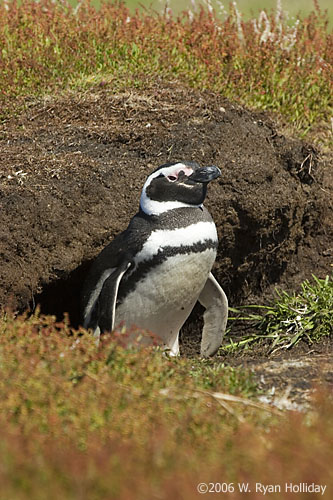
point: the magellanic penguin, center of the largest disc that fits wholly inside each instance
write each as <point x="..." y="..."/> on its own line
<point x="152" y="274"/>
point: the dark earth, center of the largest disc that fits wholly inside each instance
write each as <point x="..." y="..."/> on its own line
<point x="72" y="168"/>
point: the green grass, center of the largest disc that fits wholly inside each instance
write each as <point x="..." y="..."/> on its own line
<point x="287" y="69"/>
<point x="119" y="422"/>
<point x="307" y="315"/>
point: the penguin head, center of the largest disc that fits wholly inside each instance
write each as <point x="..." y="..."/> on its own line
<point x="176" y="185"/>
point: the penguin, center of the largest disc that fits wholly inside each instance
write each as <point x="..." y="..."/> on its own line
<point x="152" y="274"/>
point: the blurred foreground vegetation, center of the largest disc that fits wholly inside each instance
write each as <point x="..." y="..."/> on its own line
<point x="118" y="422"/>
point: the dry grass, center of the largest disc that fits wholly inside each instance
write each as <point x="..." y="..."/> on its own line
<point x="117" y="422"/>
<point x="263" y="63"/>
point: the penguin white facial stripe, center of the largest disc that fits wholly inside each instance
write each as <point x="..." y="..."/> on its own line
<point x="185" y="236"/>
<point x="175" y="173"/>
<point x="153" y="207"/>
<point x="166" y="171"/>
<point x="172" y="170"/>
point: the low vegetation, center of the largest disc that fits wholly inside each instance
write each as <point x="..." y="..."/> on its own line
<point x="79" y="421"/>
<point x="264" y="63"/>
<point x="307" y="316"/>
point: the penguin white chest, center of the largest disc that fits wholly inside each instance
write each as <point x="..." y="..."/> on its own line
<point x="164" y="296"/>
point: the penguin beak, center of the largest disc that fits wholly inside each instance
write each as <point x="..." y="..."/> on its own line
<point x="205" y="174"/>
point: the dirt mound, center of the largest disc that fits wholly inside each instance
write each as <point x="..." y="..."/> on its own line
<point x="72" y="170"/>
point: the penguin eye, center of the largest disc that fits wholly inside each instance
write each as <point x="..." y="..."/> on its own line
<point x="172" y="178"/>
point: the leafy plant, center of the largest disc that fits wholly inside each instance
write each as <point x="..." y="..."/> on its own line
<point x="307" y="315"/>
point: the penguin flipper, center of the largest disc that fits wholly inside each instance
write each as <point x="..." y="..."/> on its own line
<point x="215" y="301"/>
<point x="108" y="298"/>
<point x="110" y="262"/>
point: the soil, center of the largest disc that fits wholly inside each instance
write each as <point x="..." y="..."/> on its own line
<point x="72" y="168"/>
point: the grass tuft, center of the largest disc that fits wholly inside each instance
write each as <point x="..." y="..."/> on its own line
<point x="307" y="315"/>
